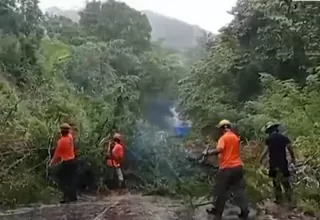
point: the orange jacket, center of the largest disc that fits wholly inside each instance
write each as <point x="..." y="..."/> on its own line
<point x="64" y="150"/>
<point x="230" y="155"/>
<point x="116" y="155"/>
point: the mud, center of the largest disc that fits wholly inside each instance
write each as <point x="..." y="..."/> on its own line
<point x="138" y="207"/>
<point x="124" y="207"/>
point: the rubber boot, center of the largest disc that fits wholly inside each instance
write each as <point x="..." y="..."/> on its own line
<point x="63" y="201"/>
<point x="211" y="211"/>
<point x="120" y="183"/>
<point x="277" y="191"/>
<point x="244" y="215"/>
<point x="65" y="197"/>
<point x="288" y="193"/>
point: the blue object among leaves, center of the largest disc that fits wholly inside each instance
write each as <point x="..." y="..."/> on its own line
<point x="182" y="131"/>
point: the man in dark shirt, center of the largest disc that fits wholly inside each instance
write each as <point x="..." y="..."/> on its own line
<point x="276" y="145"/>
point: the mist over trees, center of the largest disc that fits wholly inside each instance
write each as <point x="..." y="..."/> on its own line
<point x="105" y="72"/>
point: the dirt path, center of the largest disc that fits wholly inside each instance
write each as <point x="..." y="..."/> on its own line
<point x="136" y="207"/>
<point x="124" y="207"/>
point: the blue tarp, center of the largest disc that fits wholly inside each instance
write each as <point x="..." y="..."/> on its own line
<point x="182" y="131"/>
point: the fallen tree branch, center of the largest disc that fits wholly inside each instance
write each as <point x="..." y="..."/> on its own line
<point x="101" y="214"/>
<point x="49" y="151"/>
<point x="201" y="204"/>
<point x="21" y="150"/>
<point x="13" y="165"/>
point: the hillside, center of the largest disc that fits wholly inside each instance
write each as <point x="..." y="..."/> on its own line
<point x="72" y="14"/>
<point x="90" y="79"/>
<point x="172" y="32"/>
<point x="104" y="75"/>
<point x="175" y="33"/>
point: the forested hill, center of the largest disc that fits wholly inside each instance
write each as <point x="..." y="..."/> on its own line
<point x="173" y="33"/>
<point x="176" y="33"/>
<point x="72" y="14"/>
<point x="103" y="74"/>
<point x="99" y="75"/>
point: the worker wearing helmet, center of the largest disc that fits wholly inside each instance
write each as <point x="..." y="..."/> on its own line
<point x="276" y="145"/>
<point x="231" y="174"/>
<point x="73" y="132"/>
<point x="115" y="156"/>
<point x="64" y="153"/>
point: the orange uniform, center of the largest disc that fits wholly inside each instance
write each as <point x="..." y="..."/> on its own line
<point x="64" y="150"/>
<point x="230" y="155"/>
<point x="116" y="155"/>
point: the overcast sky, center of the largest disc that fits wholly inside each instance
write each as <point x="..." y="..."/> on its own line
<point x="208" y="14"/>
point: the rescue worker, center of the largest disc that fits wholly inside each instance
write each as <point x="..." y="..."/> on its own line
<point x="115" y="154"/>
<point x="67" y="172"/>
<point x="231" y="174"/>
<point x="276" y="145"/>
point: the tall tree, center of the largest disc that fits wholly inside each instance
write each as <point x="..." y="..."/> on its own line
<point x="112" y="20"/>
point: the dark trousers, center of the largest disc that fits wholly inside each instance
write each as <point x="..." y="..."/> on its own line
<point x="230" y="179"/>
<point x="280" y="179"/>
<point x="113" y="177"/>
<point x="67" y="176"/>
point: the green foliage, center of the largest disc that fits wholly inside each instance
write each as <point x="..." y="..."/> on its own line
<point x="104" y="74"/>
<point x="113" y="20"/>
<point x="99" y="74"/>
<point x="262" y="67"/>
<point x="163" y="167"/>
<point x="173" y="34"/>
<point x="62" y="28"/>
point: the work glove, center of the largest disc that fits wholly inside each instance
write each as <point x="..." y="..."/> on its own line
<point x="205" y="153"/>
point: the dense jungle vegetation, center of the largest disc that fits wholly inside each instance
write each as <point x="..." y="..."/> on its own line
<point x="173" y="33"/>
<point x="264" y="66"/>
<point x="104" y="73"/>
<point x="101" y="74"/>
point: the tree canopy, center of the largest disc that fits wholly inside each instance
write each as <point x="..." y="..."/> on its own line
<point x="263" y="66"/>
<point x="104" y="74"/>
<point x="100" y="74"/>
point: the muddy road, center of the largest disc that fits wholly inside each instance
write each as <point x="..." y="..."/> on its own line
<point x="137" y="207"/>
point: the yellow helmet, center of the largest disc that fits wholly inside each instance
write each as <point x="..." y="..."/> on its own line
<point x="223" y="123"/>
